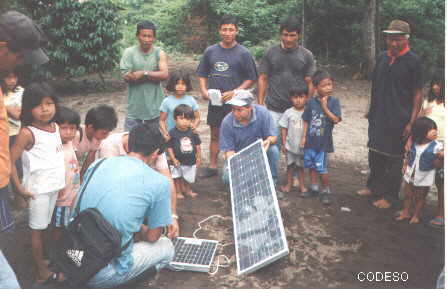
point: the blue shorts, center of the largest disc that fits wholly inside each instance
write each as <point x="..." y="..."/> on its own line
<point x="315" y="160"/>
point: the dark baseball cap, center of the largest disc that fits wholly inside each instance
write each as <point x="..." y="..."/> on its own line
<point x="23" y="35"/>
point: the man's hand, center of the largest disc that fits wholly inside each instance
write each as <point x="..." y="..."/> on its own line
<point x="407" y="130"/>
<point x="227" y="95"/>
<point x="198" y="162"/>
<point x="283" y="149"/>
<point x="302" y="142"/>
<point x="205" y="95"/>
<point x="173" y="229"/>
<point x="138" y="74"/>
<point x="266" y="144"/>
<point x="26" y="194"/>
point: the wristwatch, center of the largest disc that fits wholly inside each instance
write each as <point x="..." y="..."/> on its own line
<point x="146" y="73"/>
<point x="174" y="216"/>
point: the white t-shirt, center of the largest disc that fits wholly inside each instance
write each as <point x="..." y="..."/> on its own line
<point x="293" y="121"/>
<point x="43" y="164"/>
<point x="421" y="178"/>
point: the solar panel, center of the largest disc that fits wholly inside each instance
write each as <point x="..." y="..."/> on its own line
<point x="193" y="254"/>
<point x="257" y="223"/>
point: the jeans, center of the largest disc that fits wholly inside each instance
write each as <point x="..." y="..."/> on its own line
<point x="8" y="278"/>
<point x="276" y="116"/>
<point x="130" y="123"/>
<point x="145" y="256"/>
<point x="273" y="158"/>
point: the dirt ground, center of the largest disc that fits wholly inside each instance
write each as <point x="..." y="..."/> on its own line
<point x="328" y="247"/>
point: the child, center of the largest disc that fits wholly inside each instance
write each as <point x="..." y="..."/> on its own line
<point x="178" y="84"/>
<point x="39" y="143"/>
<point x="99" y="122"/>
<point x="291" y="124"/>
<point x="320" y="115"/>
<point x="434" y="108"/>
<point x="184" y="150"/>
<point x="69" y="122"/>
<point x="13" y="103"/>
<point x="424" y="155"/>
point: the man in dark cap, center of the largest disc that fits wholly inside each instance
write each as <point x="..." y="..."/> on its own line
<point x="141" y="195"/>
<point x="20" y="41"/>
<point x="396" y="99"/>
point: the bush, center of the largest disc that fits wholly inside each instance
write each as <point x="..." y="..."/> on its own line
<point x="82" y="37"/>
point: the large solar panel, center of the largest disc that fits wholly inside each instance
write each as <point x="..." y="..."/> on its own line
<point x="257" y="223"/>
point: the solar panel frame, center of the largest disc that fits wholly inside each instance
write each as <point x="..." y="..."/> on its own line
<point x="189" y="264"/>
<point x="278" y="254"/>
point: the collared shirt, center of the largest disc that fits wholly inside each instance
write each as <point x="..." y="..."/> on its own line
<point x="235" y="136"/>
<point x="392" y="96"/>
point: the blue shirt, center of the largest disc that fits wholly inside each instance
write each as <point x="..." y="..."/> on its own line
<point x="171" y="102"/>
<point x="126" y="191"/>
<point x="234" y="136"/>
<point x="227" y="68"/>
<point x="319" y="130"/>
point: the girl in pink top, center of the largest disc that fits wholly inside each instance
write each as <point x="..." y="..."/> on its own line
<point x="68" y="121"/>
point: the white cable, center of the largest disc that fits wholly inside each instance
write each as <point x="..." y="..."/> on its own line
<point x="227" y="260"/>
<point x="204" y="220"/>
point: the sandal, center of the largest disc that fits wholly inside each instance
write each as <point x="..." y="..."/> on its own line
<point x="437" y="223"/>
<point x="54" y="278"/>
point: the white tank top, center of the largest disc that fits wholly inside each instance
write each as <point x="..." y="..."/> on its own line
<point x="43" y="164"/>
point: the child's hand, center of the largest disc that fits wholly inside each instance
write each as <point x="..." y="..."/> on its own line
<point x="176" y="162"/>
<point x="26" y="194"/>
<point x="323" y="101"/>
<point x="198" y="162"/>
<point x="194" y="130"/>
<point x="440" y="154"/>
<point x="302" y="143"/>
<point x="283" y="149"/>
<point x="167" y="137"/>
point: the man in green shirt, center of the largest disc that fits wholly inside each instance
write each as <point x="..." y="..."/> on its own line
<point x="143" y="67"/>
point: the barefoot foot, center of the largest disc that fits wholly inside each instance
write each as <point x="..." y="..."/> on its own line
<point x="364" y="192"/>
<point x="402" y="216"/>
<point x="382" y="204"/>
<point x="191" y="194"/>
<point x="286" y="188"/>
<point x="414" y="220"/>
<point x="180" y="196"/>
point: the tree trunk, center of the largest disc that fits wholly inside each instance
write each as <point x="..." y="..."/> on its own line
<point x="369" y="39"/>
<point x="303" y="23"/>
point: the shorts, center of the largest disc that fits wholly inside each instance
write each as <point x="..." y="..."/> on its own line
<point x="216" y="114"/>
<point x="295" y="159"/>
<point x="187" y="172"/>
<point x="61" y="216"/>
<point x="316" y="160"/>
<point x="41" y="210"/>
<point x="130" y="123"/>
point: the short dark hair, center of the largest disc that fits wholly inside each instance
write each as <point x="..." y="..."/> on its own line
<point x="32" y="97"/>
<point x="185" y="111"/>
<point x="228" y="19"/>
<point x="290" y="24"/>
<point x="319" y="75"/>
<point x="146" y="25"/>
<point x="68" y="115"/>
<point x="145" y="138"/>
<point x="298" y="91"/>
<point x="3" y="84"/>
<point x="102" y="117"/>
<point x="176" y="76"/>
<point x="421" y="127"/>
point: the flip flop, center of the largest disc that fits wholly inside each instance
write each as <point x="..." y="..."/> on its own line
<point x="437" y="223"/>
<point x="53" y="279"/>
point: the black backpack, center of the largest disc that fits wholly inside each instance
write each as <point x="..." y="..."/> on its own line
<point x="87" y="245"/>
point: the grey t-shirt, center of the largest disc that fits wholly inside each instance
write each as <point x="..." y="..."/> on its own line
<point x="285" y="69"/>
<point x="293" y="121"/>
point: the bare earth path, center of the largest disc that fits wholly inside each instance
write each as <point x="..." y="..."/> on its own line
<point x="328" y="247"/>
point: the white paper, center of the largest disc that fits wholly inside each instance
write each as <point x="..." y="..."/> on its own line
<point x="216" y="97"/>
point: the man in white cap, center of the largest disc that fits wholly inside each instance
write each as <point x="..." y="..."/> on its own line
<point x="246" y="124"/>
<point x="396" y="98"/>
<point x="20" y="41"/>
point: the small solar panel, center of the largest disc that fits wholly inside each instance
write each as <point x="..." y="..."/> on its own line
<point x="193" y="254"/>
<point x="258" y="229"/>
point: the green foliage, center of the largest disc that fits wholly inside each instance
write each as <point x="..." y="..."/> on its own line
<point x="82" y="37"/>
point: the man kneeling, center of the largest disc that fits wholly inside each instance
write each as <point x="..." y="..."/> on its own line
<point x="133" y="198"/>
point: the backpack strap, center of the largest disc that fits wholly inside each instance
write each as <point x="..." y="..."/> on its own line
<point x="78" y="205"/>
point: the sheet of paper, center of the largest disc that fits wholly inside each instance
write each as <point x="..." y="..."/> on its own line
<point x="216" y="97"/>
